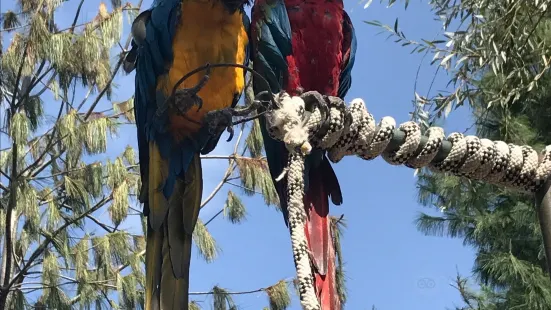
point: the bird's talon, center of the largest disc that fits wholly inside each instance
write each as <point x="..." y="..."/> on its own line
<point x="231" y="132"/>
<point x="220" y="120"/>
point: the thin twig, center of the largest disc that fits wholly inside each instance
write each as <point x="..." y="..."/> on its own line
<point x="214" y="216"/>
<point x="245" y="188"/>
<point x="5" y="174"/>
<point x="227" y="174"/>
<point x="100" y="224"/>
<point x="233" y="156"/>
<point x="217" y="156"/>
<point x="463" y="292"/>
<point x="263" y="289"/>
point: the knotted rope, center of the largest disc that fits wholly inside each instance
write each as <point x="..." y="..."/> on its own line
<point x="315" y="121"/>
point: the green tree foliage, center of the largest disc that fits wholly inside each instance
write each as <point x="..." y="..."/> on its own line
<point x="498" y="59"/>
<point x="506" y="39"/>
<point x="53" y="189"/>
<point x="67" y="203"/>
<point x="501" y="225"/>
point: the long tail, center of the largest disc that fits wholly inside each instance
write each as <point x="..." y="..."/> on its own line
<point x="168" y="252"/>
<point x="319" y="235"/>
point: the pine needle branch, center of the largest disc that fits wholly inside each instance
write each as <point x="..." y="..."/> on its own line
<point x="42" y="247"/>
<point x="71" y="28"/>
<point x="124" y="266"/>
<point x="113" y="75"/>
<point x="34" y="81"/>
<point x="48" y="146"/>
<point x="38" y="79"/>
<point x="46" y="85"/>
<point x="460" y="285"/>
<point x="14" y="183"/>
<point x="41" y="168"/>
<point x="18" y="78"/>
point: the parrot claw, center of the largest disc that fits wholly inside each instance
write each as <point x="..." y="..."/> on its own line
<point x="183" y="99"/>
<point x="260" y="101"/>
<point x="314" y="99"/>
<point x="231" y="132"/>
<point x="220" y="120"/>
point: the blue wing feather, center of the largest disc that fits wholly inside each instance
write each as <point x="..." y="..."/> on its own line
<point x="274" y="42"/>
<point x="272" y="45"/>
<point x="345" y="78"/>
<point x="280" y="29"/>
<point x="152" y="56"/>
<point x="247" y="24"/>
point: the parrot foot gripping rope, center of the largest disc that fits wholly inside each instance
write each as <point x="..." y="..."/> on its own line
<point x="315" y="121"/>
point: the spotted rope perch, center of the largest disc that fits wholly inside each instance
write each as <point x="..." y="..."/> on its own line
<point x="315" y="121"/>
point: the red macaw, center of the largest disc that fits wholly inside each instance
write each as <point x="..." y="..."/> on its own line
<point x="170" y="39"/>
<point x="300" y="46"/>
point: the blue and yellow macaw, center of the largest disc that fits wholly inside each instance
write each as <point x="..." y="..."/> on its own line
<point x="170" y="39"/>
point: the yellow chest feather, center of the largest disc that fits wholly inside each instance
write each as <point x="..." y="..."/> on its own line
<point x="206" y="33"/>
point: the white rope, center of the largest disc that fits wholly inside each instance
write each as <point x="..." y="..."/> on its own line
<point x="287" y="125"/>
<point x="297" y="220"/>
<point x="324" y="122"/>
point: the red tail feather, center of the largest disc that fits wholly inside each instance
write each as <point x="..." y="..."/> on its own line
<point x="318" y="233"/>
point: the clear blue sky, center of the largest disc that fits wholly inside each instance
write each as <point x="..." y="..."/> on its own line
<point x="386" y="257"/>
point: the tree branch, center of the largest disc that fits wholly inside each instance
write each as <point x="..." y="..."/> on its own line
<point x="263" y="289"/>
<point x="51" y="237"/>
<point x="227" y="174"/>
<point x="463" y="292"/>
<point x="214" y="216"/>
<point x="117" y="67"/>
<point x="245" y="188"/>
<point x="5" y="175"/>
<point x="72" y="28"/>
<point x="14" y="182"/>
